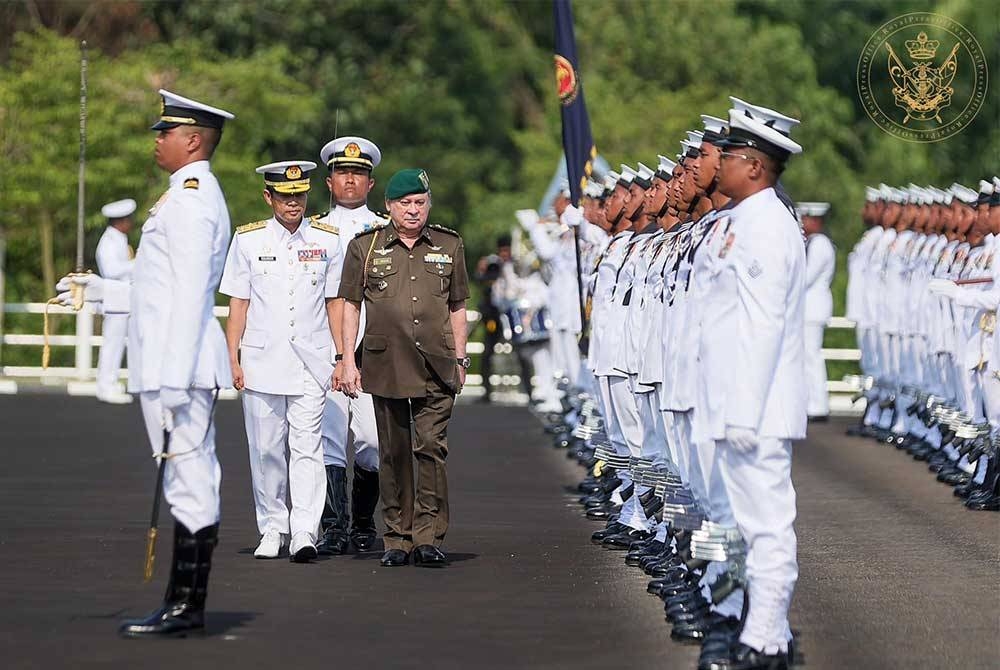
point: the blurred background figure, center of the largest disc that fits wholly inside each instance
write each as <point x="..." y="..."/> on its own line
<point x="821" y="259"/>
<point x="115" y="259"/>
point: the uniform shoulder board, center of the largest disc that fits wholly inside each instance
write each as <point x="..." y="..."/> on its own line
<point x="445" y="230"/>
<point x="326" y="227"/>
<point x="382" y="215"/>
<point x="319" y="217"/>
<point x="374" y="229"/>
<point x="250" y="227"/>
<point x="191" y="183"/>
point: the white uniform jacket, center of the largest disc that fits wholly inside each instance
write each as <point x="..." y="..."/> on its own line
<point x="174" y="340"/>
<point x="287" y="278"/>
<point x="821" y="261"/>
<point x="114" y="260"/>
<point x="767" y="390"/>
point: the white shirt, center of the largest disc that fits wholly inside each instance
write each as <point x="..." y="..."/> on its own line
<point x="287" y="278"/>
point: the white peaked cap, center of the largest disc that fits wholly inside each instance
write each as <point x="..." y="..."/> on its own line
<point x="645" y="173"/>
<point x="118" y="209"/>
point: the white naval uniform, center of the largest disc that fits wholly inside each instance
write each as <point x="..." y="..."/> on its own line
<point x="821" y="262"/>
<point x="342" y="413"/>
<point x="174" y="339"/>
<point x="114" y="261"/>
<point x="764" y="272"/>
<point x="285" y="356"/>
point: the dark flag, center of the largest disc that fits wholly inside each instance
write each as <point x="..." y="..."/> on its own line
<point x="578" y="143"/>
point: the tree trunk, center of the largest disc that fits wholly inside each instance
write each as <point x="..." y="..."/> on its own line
<point x="48" y="254"/>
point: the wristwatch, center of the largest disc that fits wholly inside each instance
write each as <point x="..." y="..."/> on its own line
<point x="464" y="362"/>
<point x="338" y="357"/>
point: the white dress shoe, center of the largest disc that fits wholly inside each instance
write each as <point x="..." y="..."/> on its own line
<point x="115" y="397"/>
<point x="270" y="545"/>
<point x="302" y="549"/>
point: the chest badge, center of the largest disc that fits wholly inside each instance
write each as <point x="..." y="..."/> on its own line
<point x="382" y="285"/>
<point x="311" y="255"/>
<point x="383" y="252"/>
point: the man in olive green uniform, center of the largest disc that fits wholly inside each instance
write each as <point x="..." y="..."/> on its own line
<point x="412" y="279"/>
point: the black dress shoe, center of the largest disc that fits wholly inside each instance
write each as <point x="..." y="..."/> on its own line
<point x="821" y="418"/>
<point x="742" y="657"/>
<point x="717" y="642"/>
<point x="612" y="528"/>
<point x="624" y="539"/>
<point x="393" y="558"/>
<point x="333" y="543"/>
<point x="429" y="556"/>
<point x="694" y="631"/>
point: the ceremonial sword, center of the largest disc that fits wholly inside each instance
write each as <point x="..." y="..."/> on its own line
<point x="147" y="574"/>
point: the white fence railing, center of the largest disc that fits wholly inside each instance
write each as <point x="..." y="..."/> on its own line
<point x="84" y="340"/>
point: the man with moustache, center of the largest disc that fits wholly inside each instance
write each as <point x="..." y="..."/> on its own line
<point x="177" y="350"/>
<point x="351" y="161"/>
<point x="412" y="279"/>
<point x="282" y="274"/>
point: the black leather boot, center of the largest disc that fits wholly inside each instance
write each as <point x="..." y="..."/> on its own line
<point x="364" y="497"/>
<point x="335" y="520"/>
<point x="183" y="611"/>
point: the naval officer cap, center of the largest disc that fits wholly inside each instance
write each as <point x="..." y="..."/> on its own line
<point x="690" y="149"/>
<point x="176" y="110"/>
<point x="985" y="192"/>
<point x="644" y="176"/>
<point x="762" y="129"/>
<point x="665" y="168"/>
<point x="406" y="182"/>
<point x="627" y="176"/>
<point x="593" y="189"/>
<point x="964" y="194"/>
<point x="812" y="208"/>
<point x="610" y="181"/>
<point x="351" y="151"/>
<point x="288" y="177"/>
<point x="118" y="209"/>
<point x="871" y="194"/>
<point x="715" y="128"/>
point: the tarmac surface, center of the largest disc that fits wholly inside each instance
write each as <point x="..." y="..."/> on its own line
<point x="894" y="572"/>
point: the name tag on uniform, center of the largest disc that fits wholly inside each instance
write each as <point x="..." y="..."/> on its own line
<point x="382" y="261"/>
<point x="267" y="258"/>
<point x="437" y="258"/>
<point x="310" y="255"/>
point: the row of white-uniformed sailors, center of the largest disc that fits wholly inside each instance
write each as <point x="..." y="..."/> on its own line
<point x="923" y="290"/>
<point x="694" y="382"/>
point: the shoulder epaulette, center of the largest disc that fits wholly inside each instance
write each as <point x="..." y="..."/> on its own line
<point x="250" y="227"/>
<point x="191" y="183"/>
<point x="382" y="215"/>
<point x="445" y="230"/>
<point x="319" y="217"/>
<point x="325" y="227"/>
<point x="374" y="229"/>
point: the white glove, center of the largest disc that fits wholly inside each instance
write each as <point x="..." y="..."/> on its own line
<point x="744" y="440"/>
<point x="93" y="288"/>
<point x="528" y="218"/>
<point x="572" y="217"/>
<point x="943" y="287"/>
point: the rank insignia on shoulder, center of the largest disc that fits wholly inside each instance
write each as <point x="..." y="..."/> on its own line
<point x="326" y="227"/>
<point x="382" y="215"/>
<point x="444" y="230"/>
<point x="250" y="227"/>
<point x="191" y="183"/>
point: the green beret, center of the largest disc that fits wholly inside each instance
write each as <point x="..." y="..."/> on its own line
<point x="407" y="182"/>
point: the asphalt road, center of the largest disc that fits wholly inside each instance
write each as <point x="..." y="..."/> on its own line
<point x="894" y="572"/>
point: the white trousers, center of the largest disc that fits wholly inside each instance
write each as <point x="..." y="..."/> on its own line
<point x="272" y="422"/>
<point x="544" y="389"/>
<point x="565" y="353"/>
<point x="192" y="476"/>
<point x="762" y="498"/>
<point x="345" y="419"/>
<point x="818" y="403"/>
<point x="114" y="330"/>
